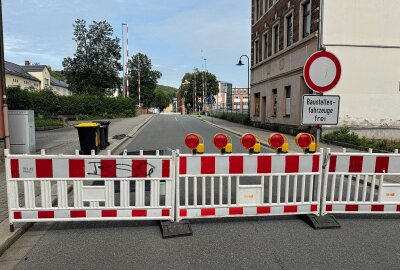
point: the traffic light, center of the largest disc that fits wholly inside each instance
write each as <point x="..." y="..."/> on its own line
<point x="306" y="142"/>
<point x="279" y="142"/>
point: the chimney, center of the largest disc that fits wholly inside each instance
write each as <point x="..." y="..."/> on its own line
<point x="27" y="63"/>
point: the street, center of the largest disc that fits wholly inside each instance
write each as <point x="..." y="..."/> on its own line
<point x="363" y="242"/>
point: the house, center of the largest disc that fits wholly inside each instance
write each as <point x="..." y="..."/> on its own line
<point x="34" y="77"/>
<point x="286" y="32"/>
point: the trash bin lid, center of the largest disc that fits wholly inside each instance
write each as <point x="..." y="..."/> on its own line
<point x="87" y="125"/>
<point x="102" y="122"/>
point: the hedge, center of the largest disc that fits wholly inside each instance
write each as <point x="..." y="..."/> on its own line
<point x="241" y="118"/>
<point x="46" y="103"/>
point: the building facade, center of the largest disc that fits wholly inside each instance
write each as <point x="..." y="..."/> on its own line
<point x="285" y="33"/>
<point x="240" y="100"/>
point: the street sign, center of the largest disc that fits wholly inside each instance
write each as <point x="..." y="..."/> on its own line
<point x="320" y="110"/>
<point x="322" y="71"/>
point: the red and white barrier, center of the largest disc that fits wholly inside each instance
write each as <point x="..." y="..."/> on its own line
<point x="211" y="186"/>
<point x="103" y="187"/>
<point x="356" y="183"/>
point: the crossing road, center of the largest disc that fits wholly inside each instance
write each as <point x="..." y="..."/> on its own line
<point x="363" y="242"/>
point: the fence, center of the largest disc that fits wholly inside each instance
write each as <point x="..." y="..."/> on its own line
<point x="247" y="185"/>
<point x="104" y="187"/>
<point x="361" y="183"/>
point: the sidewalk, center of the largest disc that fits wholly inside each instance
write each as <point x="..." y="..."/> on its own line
<point x="263" y="134"/>
<point x="61" y="141"/>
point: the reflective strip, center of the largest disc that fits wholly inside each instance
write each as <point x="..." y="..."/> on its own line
<point x="278" y="164"/>
<point x="394" y="165"/>
<point x="61" y="168"/>
<point x="27" y="168"/>
<point x="368" y="164"/>
<point x="193" y="165"/>
<point x="222" y="165"/>
<point x="250" y="165"/>
<point x="306" y="163"/>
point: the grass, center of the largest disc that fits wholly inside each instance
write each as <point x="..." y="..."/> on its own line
<point x="48" y="122"/>
<point x="345" y="136"/>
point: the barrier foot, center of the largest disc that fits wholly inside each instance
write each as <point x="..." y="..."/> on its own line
<point x="321" y="222"/>
<point x="175" y="229"/>
<point x="12" y="228"/>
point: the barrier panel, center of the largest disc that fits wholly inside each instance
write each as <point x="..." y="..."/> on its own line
<point x="103" y="187"/>
<point x="215" y="186"/>
<point x="361" y="183"/>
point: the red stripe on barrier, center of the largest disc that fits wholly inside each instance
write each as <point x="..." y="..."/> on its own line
<point x="264" y="164"/>
<point x="329" y="208"/>
<point x="291" y="164"/>
<point x="207" y="165"/>
<point x="355" y="164"/>
<point x="44" y="168"/>
<point x="108" y="168"/>
<point x="332" y="164"/>
<point x="382" y="164"/>
<point x="108" y="213"/>
<point x="182" y="165"/>
<point x="314" y="208"/>
<point x="17" y="215"/>
<point x="165" y="212"/>
<point x="236" y="165"/>
<point x="77" y="213"/>
<point x="236" y="211"/>
<point x="315" y="164"/>
<point x="46" y="214"/>
<point x="377" y="208"/>
<point x="139" y="168"/>
<point x="15" y="168"/>
<point x="351" y="208"/>
<point x="208" y="212"/>
<point x="76" y="168"/>
<point x="183" y="212"/>
<point x="398" y="208"/>
<point x="165" y="168"/>
<point x="290" y="209"/>
<point x="139" y="213"/>
<point x="263" y="210"/>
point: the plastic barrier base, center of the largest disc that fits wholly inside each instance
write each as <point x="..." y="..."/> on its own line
<point x="175" y="229"/>
<point x="321" y="222"/>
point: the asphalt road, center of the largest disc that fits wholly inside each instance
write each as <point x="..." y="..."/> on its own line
<point x="363" y="242"/>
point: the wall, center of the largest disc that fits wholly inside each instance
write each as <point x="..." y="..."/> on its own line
<point x="42" y="75"/>
<point x="61" y="91"/>
<point x="365" y="36"/>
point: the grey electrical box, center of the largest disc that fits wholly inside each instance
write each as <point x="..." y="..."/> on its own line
<point x="22" y="131"/>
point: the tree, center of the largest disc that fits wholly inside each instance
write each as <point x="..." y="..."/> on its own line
<point x="190" y="80"/>
<point x="148" y="79"/>
<point x="95" y="65"/>
<point x="171" y="91"/>
<point x="58" y="74"/>
<point x="161" y="99"/>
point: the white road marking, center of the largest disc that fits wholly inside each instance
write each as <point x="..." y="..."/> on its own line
<point x="176" y="119"/>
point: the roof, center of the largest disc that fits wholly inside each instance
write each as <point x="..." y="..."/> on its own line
<point x="34" y="68"/>
<point x="17" y="70"/>
<point x="55" y="82"/>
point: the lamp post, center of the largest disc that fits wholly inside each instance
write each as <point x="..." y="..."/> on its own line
<point x="240" y="63"/>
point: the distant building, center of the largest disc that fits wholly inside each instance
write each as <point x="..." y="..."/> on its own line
<point x="240" y="99"/>
<point x="34" y="77"/>
<point x="286" y="32"/>
<point x="223" y="99"/>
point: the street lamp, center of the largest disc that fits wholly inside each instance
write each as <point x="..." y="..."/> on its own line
<point x="240" y="63"/>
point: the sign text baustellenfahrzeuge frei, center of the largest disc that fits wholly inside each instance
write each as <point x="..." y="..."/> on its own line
<point x="320" y="110"/>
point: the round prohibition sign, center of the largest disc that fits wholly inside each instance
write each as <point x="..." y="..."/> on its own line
<point x="322" y="71"/>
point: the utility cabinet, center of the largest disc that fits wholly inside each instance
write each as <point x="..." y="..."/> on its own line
<point x="22" y="131"/>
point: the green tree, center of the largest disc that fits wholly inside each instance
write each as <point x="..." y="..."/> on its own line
<point x="58" y="74"/>
<point x="190" y="81"/>
<point x="95" y="65"/>
<point x="171" y="91"/>
<point x="148" y="79"/>
<point x="161" y="99"/>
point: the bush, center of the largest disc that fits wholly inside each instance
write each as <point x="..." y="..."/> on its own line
<point x="39" y="122"/>
<point x="46" y="103"/>
<point x="234" y="117"/>
<point x="345" y="136"/>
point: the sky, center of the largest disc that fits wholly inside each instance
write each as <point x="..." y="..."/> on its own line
<point x="172" y="33"/>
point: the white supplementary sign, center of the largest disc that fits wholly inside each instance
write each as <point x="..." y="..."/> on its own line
<point x="320" y="110"/>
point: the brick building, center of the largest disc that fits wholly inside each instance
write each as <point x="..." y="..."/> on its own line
<point x="239" y="99"/>
<point x="284" y="35"/>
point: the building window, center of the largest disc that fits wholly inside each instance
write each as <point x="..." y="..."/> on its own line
<point x="258" y="10"/>
<point x="274" y="103"/>
<point x="306" y="19"/>
<point x="46" y="81"/>
<point x="256" y="51"/>
<point x="289" y="30"/>
<point x="276" y="38"/>
<point x="257" y="104"/>
<point x="265" y="47"/>
<point x="288" y="93"/>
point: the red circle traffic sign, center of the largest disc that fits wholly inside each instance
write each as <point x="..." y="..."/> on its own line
<point x="220" y="140"/>
<point x="276" y="140"/>
<point x="322" y="71"/>
<point x="303" y="140"/>
<point x="248" y="140"/>
<point x="192" y="141"/>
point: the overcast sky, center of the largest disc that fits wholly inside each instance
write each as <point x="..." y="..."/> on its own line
<point x="171" y="32"/>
